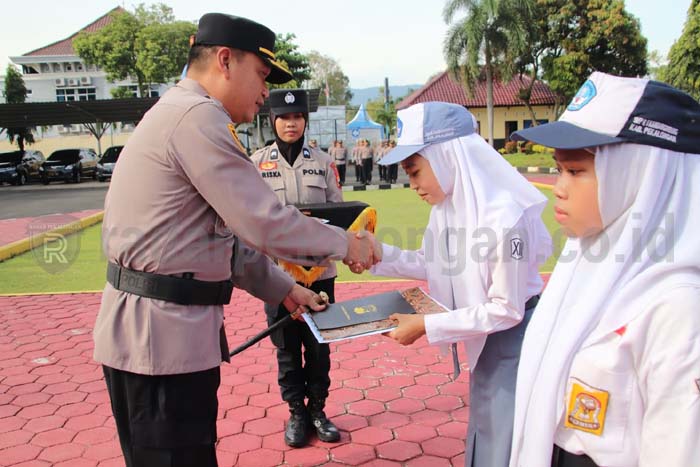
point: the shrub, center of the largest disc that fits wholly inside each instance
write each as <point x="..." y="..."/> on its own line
<point x="527" y="147"/>
<point x="542" y="149"/>
<point x="511" y="147"/>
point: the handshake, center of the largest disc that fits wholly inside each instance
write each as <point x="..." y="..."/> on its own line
<point x="364" y="251"/>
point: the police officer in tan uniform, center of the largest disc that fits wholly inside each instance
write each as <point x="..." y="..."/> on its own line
<point x="392" y="169"/>
<point x="355" y="156"/>
<point x="339" y="154"/>
<point x="184" y="200"/>
<point x="378" y="154"/>
<point x="365" y="155"/>
<point x="299" y="174"/>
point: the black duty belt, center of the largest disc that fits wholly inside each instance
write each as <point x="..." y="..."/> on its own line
<point x="169" y="288"/>
<point x="532" y="302"/>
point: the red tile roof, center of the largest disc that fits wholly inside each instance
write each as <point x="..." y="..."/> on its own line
<point x="65" y="46"/>
<point x="442" y="88"/>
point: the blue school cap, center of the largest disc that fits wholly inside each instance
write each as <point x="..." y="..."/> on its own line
<point x="611" y="109"/>
<point x="427" y="123"/>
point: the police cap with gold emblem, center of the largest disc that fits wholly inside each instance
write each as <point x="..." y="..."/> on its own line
<point x="243" y="34"/>
<point x="285" y="101"/>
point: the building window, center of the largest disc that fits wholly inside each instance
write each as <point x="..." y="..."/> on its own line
<point x="76" y="94"/>
<point x="45" y="68"/>
<point x="133" y="89"/>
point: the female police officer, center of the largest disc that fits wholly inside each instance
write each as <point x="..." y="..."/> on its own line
<point x="299" y="174"/>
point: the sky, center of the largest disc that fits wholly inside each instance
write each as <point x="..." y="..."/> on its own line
<point x="370" y="39"/>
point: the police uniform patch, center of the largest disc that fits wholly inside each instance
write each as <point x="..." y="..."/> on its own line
<point x="274" y="155"/>
<point x="289" y="98"/>
<point x="232" y="129"/>
<point x="307" y="154"/>
<point x="516" y="248"/>
<point x="586" y="407"/>
<point x="268" y="165"/>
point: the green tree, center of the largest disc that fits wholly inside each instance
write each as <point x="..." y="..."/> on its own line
<point x="288" y="53"/>
<point x="383" y="112"/>
<point x="683" y="70"/>
<point x="148" y="46"/>
<point x="325" y="70"/>
<point x="492" y="30"/>
<point x="582" y="36"/>
<point x="16" y="93"/>
<point x="656" y="64"/>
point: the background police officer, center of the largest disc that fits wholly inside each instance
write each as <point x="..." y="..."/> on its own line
<point x="299" y="174"/>
<point x="183" y="195"/>
<point x="339" y="154"/>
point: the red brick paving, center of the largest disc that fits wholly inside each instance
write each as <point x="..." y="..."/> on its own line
<point x="394" y="405"/>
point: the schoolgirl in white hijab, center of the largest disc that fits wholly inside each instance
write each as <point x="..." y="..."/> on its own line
<point x="610" y="367"/>
<point x="480" y="255"/>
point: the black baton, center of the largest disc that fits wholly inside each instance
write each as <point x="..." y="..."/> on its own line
<point x="262" y="335"/>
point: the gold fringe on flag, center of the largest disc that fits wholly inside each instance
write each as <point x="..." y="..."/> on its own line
<point x="367" y="220"/>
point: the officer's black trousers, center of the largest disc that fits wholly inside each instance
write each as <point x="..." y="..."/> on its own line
<point x="358" y="172"/>
<point x="166" y="420"/>
<point x="341" y="173"/>
<point x="382" y="172"/>
<point x="367" y="170"/>
<point x="298" y="379"/>
<point x="393" y="172"/>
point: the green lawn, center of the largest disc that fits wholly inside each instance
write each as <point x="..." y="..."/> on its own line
<point x="401" y="218"/>
<point x="530" y="160"/>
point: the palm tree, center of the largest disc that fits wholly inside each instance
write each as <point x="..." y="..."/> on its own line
<point x="493" y="31"/>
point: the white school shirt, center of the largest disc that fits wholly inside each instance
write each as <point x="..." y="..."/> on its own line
<point x="650" y="371"/>
<point x="509" y="285"/>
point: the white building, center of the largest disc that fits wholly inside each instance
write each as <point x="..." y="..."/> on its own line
<point x="55" y="73"/>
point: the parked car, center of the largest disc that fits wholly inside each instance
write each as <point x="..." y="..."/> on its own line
<point x="69" y="165"/>
<point x="18" y="167"/>
<point x="105" y="166"/>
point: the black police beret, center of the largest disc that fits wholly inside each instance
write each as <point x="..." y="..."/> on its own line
<point x="243" y="34"/>
<point x="284" y="101"/>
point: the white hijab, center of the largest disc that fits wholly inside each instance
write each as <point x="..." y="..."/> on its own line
<point x="484" y="192"/>
<point x="646" y="199"/>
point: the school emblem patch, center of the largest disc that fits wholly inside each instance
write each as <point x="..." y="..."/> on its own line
<point x="516" y="248"/>
<point x="584" y="95"/>
<point x="268" y="165"/>
<point x="586" y="407"/>
<point x="232" y="129"/>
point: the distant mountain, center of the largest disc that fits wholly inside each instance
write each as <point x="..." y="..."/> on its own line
<point x="362" y="95"/>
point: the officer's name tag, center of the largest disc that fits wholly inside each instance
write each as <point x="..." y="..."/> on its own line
<point x="586" y="407"/>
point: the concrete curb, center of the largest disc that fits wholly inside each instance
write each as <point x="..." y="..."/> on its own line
<point x="545" y="186"/>
<point x="537" y="170"/>
<point x="381" y="186"/>
<point x="26" y="244"/>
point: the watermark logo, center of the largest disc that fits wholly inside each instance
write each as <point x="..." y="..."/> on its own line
<point x="54" y="242"/>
